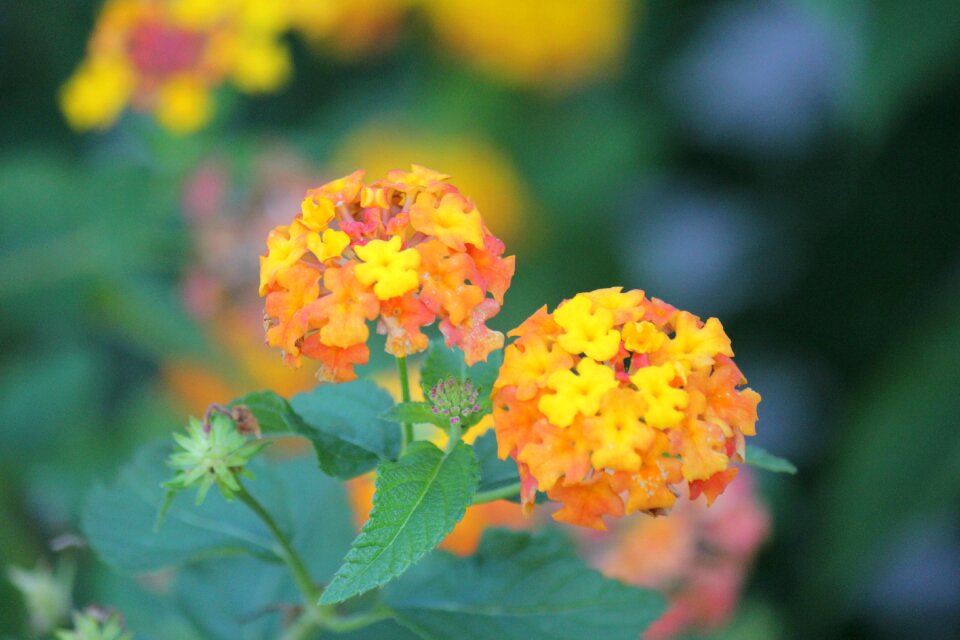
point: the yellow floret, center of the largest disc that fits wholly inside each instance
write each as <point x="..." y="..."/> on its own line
<point x="283" y="250"/>
<point x="694" y="346"/>
<point x="184" y="105"/>
<point x="642" y="337"/>
<point x="328" y="246"/>
<point x="587" y="330"/>
<point x="316" y="215"/>
<point x="454" y="221"/>
<point x="664" y="402"/>
<point x="392" y="272"/>
<point x="576" y="394"/>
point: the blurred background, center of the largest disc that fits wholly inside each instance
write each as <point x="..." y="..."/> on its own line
<point x="790" y="167"/>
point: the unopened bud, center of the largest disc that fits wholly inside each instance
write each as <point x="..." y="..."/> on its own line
<point x="96" y="623"/>
<point x="215" y="452"/>
<point x="455" y="399"/>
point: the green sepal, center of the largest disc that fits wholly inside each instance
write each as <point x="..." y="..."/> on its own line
<point x="415" y="413"/>
<point x="761" y="459"/>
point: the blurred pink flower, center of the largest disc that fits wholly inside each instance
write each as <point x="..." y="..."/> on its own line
<point x="698" y="557"/>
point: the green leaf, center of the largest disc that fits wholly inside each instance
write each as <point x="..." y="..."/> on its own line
<point x="229" y="598"/>
<point x="443" y="362"/>
<point x="519" y="586"/>
<point x="118" y="519"/>
<point x="384" y="630"/>
<point x="415" y="413"/>
<point x="273" y="413"/>
<point x="761" y="459"/>
<point x="418" y="501"/>
<point x="494" y="472"/>
<point x="343" y="422"/>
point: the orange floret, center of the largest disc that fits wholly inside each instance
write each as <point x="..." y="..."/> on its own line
<point x="611" y="402"/>
<point x="407" y="251"/>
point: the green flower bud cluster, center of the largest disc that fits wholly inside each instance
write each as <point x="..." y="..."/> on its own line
<point x="455" y="400"/>
<point x="46" y="594"/>
<point x="96" y="624"/>
<point x="215" y="451"/>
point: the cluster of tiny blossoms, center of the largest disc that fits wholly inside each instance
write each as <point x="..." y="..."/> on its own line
<point x="455" y="400"/>
<point x="614" y="399"/>
<point x="165" y="57"/>
<point x="407" y="250"/>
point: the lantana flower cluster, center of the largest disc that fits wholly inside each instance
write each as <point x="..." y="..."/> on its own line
<point x="614" y="399"/>
<point x="165" y="57"/>
<point x="405" y="251"/>
<point x="699" y="557"/>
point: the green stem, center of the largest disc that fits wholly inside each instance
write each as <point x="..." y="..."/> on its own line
<point x="358" y="621"/>
<point x="314" y="616"/>
<point x="303" y="627"/>
<point x="456" y="432"/>
<point x="509" y="491"/>
<point x="407" y="428"/>
<point x="288" y="554"/>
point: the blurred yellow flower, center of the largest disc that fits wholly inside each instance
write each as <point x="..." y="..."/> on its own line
<point x="262" y="65"/>
<point x="349" y="28"/>
<point x="166" y="56"/>
<point x="183" y="105"/>
<point x="550" y="43"/>
<point x="97" y="93"/>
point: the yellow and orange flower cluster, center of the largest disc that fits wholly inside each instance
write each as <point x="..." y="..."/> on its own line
<point x="614" y="399"/>
<point x="407" y="250"/>
<point x="165" y="57"/>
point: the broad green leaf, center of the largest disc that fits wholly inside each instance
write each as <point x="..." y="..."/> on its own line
<point x="761" y="459"/>
<point x="229" y="598"/>
<point x="385" y="630"/>
<point x="118" y="519"/>
<point x="443" y="362"/>
<point x="418" y="501"/>
<point x="519" y="586"/>
<point x="415" y="413"/>
<point x="147" y="613"/>
<point x="343" y="422"/>
<point x="273" y="413"/>
<point x="494" y="472"/>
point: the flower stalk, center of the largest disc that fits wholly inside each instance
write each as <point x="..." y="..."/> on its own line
<point x="406" y="427"/>
<point x="502" y="493"/>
